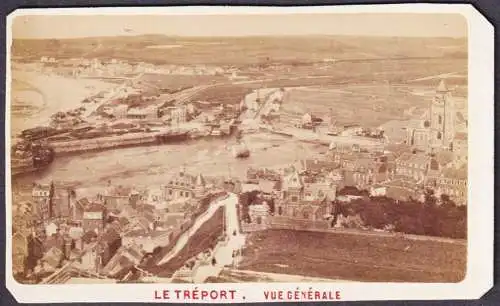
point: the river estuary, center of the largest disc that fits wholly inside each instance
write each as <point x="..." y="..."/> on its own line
<point x="152" y="165"/>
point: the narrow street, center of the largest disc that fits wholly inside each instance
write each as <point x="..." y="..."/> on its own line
<point x="230" y="201"/>
<point x="223" y="254"/>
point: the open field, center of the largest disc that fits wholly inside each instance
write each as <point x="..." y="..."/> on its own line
<point x="206" y="237"/>
<point x="223" y="94"/>
<point x="369" y="105"/>
<point x="228" y="50"/>
<point x="354" y="257"/>
<point x="177" y="82"/>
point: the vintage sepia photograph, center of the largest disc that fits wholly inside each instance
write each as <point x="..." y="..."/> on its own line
<point x="252" y="148"/>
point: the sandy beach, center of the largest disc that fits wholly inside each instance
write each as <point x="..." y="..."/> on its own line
<point x="43" y="95"/>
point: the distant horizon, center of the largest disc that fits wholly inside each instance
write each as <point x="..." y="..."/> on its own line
<point x="242" y="37"/>
<point x="76" y="26"/>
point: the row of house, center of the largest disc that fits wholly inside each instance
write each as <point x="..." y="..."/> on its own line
<point x="305" y="191"/>
<point x="116" y="221"/>
<point x="177" y="114"/>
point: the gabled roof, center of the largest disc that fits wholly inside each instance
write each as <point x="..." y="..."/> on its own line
<point x="292" y="180"/>
<point x="200" y="180"/>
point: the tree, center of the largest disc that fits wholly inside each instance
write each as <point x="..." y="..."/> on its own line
<point x="373" y="215"/>
<point x="446" y="202"/>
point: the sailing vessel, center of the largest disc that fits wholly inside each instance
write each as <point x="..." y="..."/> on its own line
<point x="29" y="157"/>
<point x="240" y="150"/>
<point x="333" y="130"/>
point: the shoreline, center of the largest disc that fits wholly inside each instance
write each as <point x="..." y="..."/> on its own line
<point x="49" y="87"/>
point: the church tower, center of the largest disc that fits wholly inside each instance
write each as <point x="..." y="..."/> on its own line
<point x="442" y="117"/>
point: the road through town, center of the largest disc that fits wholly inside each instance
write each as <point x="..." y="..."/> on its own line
<point x="229" y="203"/>
<point x="224" y="252"/>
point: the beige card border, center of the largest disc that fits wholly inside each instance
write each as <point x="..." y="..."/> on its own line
<point x="479" y="278"/>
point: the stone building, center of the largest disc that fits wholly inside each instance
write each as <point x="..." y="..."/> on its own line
<point x="299" y="200"/>
<point x="442" y="117"/>
<point x="415" y="166"/>
<point x="419" y="138"/>
<point x="51" y="202"/>
<point x="259" y="216"/>
<point x="185" y="186"/>
<point x="452" y="182"/>
<point x="438" y="131"/>
<point x="41" y="198"/>
<point x="94" y="218"/>
<point x="116" y="197"/>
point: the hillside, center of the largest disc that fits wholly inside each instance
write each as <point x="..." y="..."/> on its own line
<point x="227" y="51"/>
<point x="355" y="257"/>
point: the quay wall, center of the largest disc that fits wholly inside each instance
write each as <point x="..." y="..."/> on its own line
<point x="326" y="140"/>
<point x="112" y="142"/>
<point x="82" y="145"/>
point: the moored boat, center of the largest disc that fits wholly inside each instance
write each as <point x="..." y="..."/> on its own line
<point x="240" y="150"/>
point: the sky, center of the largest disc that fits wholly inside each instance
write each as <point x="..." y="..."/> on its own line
<point x="356" y="24"/>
